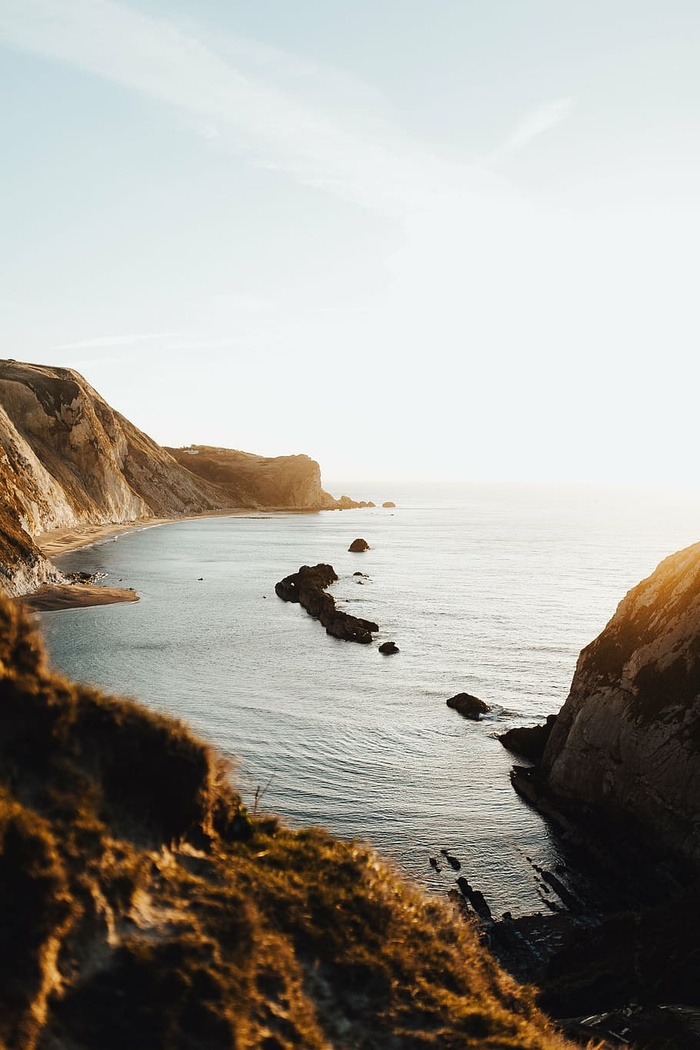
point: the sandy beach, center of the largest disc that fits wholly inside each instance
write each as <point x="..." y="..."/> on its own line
<point x="61" y="541"/>
<point x="56" y="597"/>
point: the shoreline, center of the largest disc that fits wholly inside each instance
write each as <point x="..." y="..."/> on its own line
<point x="75" y="595"/>
<point x="55" y="597"/>
<point x="56" y="542"/>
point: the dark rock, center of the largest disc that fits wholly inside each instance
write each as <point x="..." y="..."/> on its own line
<point x="306" y="588"/>
<point x="388" y="648"/>
<point x="364" y="574"/>
<point x="627" y="740"/>
<point x="388" y="503"/>
<point x="476" y="899"/>
<point x="358" y="545"/>
<point x="469" y="706"/>
<point x="528" y="741"/>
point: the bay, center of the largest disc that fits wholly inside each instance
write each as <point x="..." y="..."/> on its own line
<point x="487" y="589"/>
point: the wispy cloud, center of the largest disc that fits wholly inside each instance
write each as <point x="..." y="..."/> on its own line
<point x="535" y="123"/>
<point x="379" y="168"/>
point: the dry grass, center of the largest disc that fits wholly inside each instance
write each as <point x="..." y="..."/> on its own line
<point x="141" y="907"/>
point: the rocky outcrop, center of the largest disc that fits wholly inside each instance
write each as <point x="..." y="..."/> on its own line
<point x="265" y="483"/>
<point x="358" y="546"/>
<point x="347" y="503"/>
<point x="528" y="741"/>
<point x="307" y="587"/>
<point x="468" y="706"/>
<point x="388" y="648"/>
<point x="627" y="741"/>
<point x="141" y="906"/>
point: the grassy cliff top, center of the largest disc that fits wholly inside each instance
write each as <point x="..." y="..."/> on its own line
<point x="142" y="907"/>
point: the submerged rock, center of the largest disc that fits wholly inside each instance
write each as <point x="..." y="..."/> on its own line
<point x="388" y="648"/>
<point x="469" y="706"/>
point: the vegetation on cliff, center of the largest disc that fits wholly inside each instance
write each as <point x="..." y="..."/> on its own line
<point x="141" y="906"/>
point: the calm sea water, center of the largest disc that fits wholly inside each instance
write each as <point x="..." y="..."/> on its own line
<point x="492" y="590"/>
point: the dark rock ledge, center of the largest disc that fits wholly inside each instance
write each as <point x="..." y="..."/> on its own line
<point x="307" y="588"/>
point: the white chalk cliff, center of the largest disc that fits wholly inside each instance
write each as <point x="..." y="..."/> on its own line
<point x="68" y="459"/>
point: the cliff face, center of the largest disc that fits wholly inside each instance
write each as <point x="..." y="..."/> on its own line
<point x="142" y="907"/>
<point x="71" y="459"/>
<point x="67" y="459"/>
<point x="281" y="482"/>
<point x="627" y="741"/>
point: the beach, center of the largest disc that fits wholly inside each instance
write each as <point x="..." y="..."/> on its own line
<point x="77" y="594"/>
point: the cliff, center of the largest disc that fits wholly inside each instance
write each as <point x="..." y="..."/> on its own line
<point x="280" y="482"/>
<point x="142" y="906"/>
<point x="68" y="460"/>
<point x="627" y="741"/>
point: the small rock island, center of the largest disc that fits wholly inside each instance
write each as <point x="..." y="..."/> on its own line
<point x="307" y="588"/>
<point x="468" y="706"/>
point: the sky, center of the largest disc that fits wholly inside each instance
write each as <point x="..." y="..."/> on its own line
<point x="454" y="240"/>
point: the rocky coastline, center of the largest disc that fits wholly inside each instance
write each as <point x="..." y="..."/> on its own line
<point x="71" y="466"/>
<point x="615" y="774"/>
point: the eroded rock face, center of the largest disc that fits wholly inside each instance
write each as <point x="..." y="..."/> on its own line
<point x="263" y="482"/>
<point x="67" y="459"/>
<point x="627" y="740"/>
<point x="70" y="459"/>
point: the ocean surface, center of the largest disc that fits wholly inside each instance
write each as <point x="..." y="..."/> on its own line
<point x="487" y="589"/>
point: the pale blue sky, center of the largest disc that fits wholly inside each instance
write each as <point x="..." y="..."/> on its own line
<point x="449" y="239"/>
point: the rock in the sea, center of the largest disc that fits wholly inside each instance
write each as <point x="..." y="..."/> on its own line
<point x="469" y="706"/>
<point x="307" y="587"/>
<point x="627" y="741"/>
<point x="388" y="503"/>
<point x="388" y="648"/>
<point x="528" y="741"/>
<point x="358" y="545"/>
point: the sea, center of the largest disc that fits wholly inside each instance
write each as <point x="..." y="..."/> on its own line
<point x="488" y="589"/>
